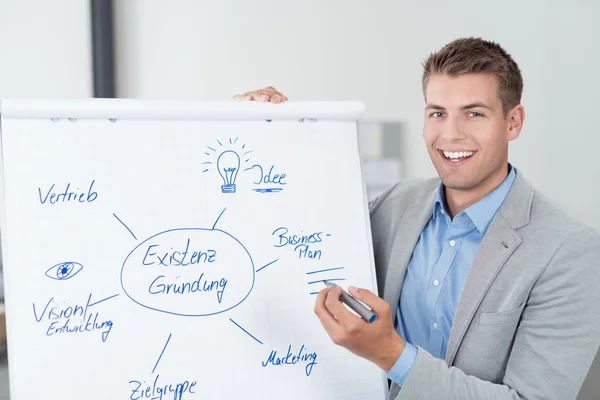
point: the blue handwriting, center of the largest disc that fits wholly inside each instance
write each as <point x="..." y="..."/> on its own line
<point x="161" y="391"/>
<point x="78" y="318"/>
<point x="292" y="359"/>
<point x="178" y="258"/>
<point x="284" y="239"/>
<point x="304" y="252"/>
<point x="269" y="178"/>
<point x="185" y="282"/>
<point x="67" y="195"/>
<point x="301" y="243"/>
<point x="199" y="285"/>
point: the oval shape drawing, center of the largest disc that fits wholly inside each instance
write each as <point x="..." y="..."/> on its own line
<point x="190" y="272"/>
<point x="64" y="270"/>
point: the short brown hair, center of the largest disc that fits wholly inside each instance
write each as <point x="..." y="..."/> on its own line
<point x="472" y="55"/>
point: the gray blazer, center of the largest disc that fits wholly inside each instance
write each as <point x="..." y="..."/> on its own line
<point x="527" y="324"/>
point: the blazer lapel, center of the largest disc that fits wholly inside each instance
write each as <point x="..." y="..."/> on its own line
<point x="407" y="235"/>
<point x="498" y="244"/>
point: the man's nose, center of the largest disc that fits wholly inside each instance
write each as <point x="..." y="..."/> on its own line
<point x="454" y="129"/>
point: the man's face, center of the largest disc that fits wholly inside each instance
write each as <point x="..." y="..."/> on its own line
<point x="466" y="132"/>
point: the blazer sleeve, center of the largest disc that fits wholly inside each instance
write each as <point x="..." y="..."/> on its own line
<point x="554" y="346"/>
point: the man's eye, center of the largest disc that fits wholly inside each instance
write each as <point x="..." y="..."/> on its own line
<point x="436" y="114"/>
<point x="475" y="114"/>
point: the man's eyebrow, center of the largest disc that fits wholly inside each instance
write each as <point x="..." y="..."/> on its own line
<point x="475" y="105"/>
<point x="434" y="107"/>
<point x="469" y="106"/>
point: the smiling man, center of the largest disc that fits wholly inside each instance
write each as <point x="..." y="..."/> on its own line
<point x="489" y="291"/>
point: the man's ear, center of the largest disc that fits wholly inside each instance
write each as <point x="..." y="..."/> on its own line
<point x="515" y="118"/>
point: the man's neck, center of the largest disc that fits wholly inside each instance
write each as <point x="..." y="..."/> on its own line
<point x="459" y="200"/>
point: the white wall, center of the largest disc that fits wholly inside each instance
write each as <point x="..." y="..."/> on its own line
<point x="571" y="136"/>
<point x="372" y="51"/>
<point x="45" y="48"/>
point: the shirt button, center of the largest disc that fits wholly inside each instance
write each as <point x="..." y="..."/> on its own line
<point x="436" y="282"/>
<point x="452" y="243"/>
<point x="435" y="325"/>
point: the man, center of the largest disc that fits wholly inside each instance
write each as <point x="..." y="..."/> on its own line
<point x="489" y="291"/>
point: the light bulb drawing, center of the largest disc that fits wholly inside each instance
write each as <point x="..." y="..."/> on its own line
<point x="228" y="165"/>
<point x="230" y="157"/>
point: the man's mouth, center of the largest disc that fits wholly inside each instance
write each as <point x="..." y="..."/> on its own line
<point x="457" y="156"/>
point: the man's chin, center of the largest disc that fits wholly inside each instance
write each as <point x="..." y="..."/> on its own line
<point x="458" y="184"/>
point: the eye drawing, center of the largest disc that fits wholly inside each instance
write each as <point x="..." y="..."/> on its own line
<point x="64" y="270"/>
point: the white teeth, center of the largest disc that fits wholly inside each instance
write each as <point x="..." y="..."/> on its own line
<point x="457" y="154"/>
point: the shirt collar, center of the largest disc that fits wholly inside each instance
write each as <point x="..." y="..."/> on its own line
<point x="482" y="212"/>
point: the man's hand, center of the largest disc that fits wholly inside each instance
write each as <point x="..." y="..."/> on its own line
<point x="378" y="342"/>
<point x="268" y="94"/>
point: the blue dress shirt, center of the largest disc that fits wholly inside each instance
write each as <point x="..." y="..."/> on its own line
<point x="436" y="275"/>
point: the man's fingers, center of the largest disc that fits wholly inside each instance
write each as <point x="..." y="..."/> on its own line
<point x="275" y="95"/>
<point x="339" y="310"/>
<point x="244" y="96"/>
<point x="339" y="323"/>
<point x="327" y="319"/>
<point x="268" y="94"/>
<point x="375" y="303"/>
<point x="276" y="98"/>
<point x="271" y="90"/>
<point x="320" y="309"/>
